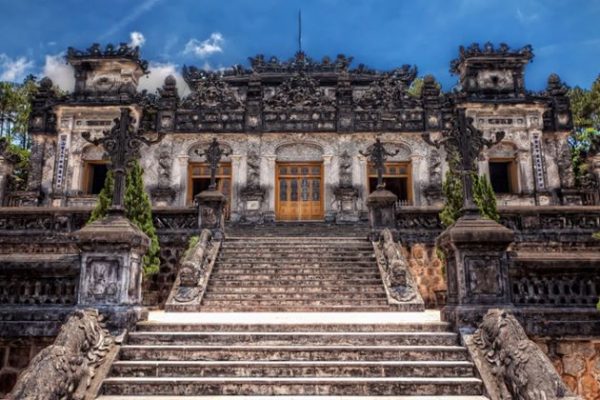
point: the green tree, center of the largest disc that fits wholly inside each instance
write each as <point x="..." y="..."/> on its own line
<point x="585" y="106"/>
<point x="15" y="107"/>
<point x="104" y="198"/>
<point x="138" y="210"/>
<point x="483" y="195"/>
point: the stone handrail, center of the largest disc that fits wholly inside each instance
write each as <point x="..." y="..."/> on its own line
<point x="66" y="369"/>
<point x="511" y="366"/>
<point x="400" y="285"/>
<point x="193" y="275"/>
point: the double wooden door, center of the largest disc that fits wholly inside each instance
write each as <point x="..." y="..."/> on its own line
<point x="299" y="191"/>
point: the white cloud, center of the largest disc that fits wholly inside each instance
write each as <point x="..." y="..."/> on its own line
<point x="136" y="39"/>
<point x="14" y="70"/>
<point x="61" y="73"/>
<point x="206" y="47"/>
<point x="157" y="75"/>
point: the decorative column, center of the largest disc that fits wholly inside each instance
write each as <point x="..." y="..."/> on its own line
<point x="475" y="248"/>
<point x="112" y="248"/>
<point x="211" y="202"/>
<point x="345" y="194"/>
<point x="382" y="202"/>
<point x="329" y="180"/>
<point x="267" y="177"/>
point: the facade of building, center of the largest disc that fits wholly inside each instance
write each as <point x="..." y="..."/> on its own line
<point x="294" y="131"/>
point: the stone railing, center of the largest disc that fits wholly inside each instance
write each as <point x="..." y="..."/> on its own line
<point x="511" y="366"/>
<point x="193" y="275"/>
<point x="73" y="366"/>
<point x="559" y="224"/>
<point x="400" y="285"/>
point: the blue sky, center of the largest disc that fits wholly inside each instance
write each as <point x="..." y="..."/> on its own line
<point x="382" y="34"/>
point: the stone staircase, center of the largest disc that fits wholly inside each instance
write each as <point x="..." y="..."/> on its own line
<point x="295" y="274"/>
<point x="388" y="358"/>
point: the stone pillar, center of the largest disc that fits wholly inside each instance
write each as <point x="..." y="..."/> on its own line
<point x="382" y="207"/>
<point x="267" y="180"/>
<point x="238" y="180"/>
<point x="476" y="269"/>
<point x="181" y="172"/>
<point x="211" y="216"/>
<point x="330" y="174"/>
<point x="111" y="269"/>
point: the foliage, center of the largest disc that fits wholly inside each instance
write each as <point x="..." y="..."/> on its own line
<point x="416" y="87"/>
<point x="192" y="242"/>
<point x="485" y="198"/>
<point x="453" y="195"/>
<point x="20" y="159"/>
<point x="138" y="210"/>
<point x="483" y="195"/>
<point x="585" y="105"/>
<point x="15" y="107"/>
<point x="104" y="198"/>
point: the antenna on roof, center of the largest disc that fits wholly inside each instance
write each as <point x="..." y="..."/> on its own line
<point x="299" y="31"/>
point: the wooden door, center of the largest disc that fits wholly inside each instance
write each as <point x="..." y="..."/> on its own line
<point x="299" y="191"/>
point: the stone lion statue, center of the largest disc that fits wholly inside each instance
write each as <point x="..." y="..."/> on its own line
<point x="65" y="369"/>
<point x="523" y="371"/>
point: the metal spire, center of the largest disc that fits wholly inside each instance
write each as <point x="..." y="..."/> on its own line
<point x="299" y="31"/>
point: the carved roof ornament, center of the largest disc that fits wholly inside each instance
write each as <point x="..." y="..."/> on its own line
<point x="463" y="144"/>
<point x="299" y="91"/>
<point x="391" y="91"/>
<point x="555" y="86"/>
<point x="210" y="91"/>
<point x="122" y="143"/>
<point x="503" y="51"/>
<point x="300" y="62"/>
<point x="110" y="51"/>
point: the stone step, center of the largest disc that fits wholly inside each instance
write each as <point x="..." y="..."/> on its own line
<point x="293" y="296"/>
<point x="295" y="250"/>
<point x="221" y="274"/>
<point x="296" y="282"/>
<point x="299" y="308"/>
<point x="291" y="353"/>
<point x="228" y="397"/>
<point x="358" y="301"/>
<point x="291" y="386"/>
<point x="303" y="338"/>
<point x="367" y="264"/>
<point x="283" y="239"/>
<point x="292" y="369"/>
<point x="350" y="269"/>
<point x="152" y="326"/>
<point x="298" y="257"/>
<point x="305" y="289"/>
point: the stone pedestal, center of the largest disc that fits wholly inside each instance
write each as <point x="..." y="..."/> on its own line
<point x="111" y="269"/>
<point x="211" y="206"/>
<point x="381" y="204"/>
<point x="476" y="269"/>
<point x="252" y="199"/>
<point x="347" y="198"/>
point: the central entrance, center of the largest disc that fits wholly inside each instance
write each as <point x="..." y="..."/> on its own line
<point x="299" y="191"/>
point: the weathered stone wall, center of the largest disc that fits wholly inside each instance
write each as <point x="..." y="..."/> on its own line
<point x="577" y="362"/>
<point x="428" y="270"/>
<point x="15" y="354"/>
